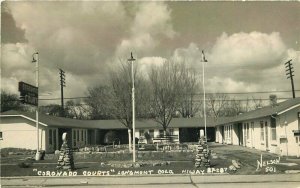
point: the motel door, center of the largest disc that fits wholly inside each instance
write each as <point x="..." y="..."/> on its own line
<point x="267" y="136"/>
<point x="52" y="139"/>
<point x="240" y="134"/>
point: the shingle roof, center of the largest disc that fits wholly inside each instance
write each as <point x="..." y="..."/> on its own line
<point x="263" y="112"/>
<point x="111" y="124"/>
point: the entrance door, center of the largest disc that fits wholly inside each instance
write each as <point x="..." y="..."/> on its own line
<point x="267" y="136"/>
<point x="240" y="133"/>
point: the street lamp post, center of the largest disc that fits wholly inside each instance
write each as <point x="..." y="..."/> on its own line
<point x="203" y="60"/>
<point x="133" y="106"/>
<point x="36" y="61"/>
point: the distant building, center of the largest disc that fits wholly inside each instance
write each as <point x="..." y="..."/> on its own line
<point x="275" y="128"/>
<point x="18" y="130"/>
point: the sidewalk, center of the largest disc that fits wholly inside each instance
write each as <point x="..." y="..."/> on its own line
<point x="145" y="180"/>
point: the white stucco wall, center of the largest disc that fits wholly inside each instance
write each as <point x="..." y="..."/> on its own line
<point x="219" y="137"/>
<point x="254" y="140"/>
<point x="235" y="139"/>
<point x="286" y="123"/>
<point x="22" y="135"/>
<point x="285" y="143"/>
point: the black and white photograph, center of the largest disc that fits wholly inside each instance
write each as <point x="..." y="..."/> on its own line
<point x="150" y="94"/>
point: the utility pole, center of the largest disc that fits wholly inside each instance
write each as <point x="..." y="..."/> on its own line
<point x="133" y="107"/>
<point x="289" y="69"/>
<point x="35" y="59"/>
<point x="62" y="85"/>
<point x="203" y="60"/>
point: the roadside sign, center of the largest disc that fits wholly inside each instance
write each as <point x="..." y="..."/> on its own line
<point x="28" y="93"/>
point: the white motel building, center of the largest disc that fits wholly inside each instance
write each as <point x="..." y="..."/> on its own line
<point x="272" y="128"/>
<point x="18" y="130"/>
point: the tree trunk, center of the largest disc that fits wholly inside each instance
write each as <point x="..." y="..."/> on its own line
<point x="129" y="139"/>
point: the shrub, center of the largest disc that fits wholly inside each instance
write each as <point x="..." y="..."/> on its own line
<point x="25" y="164"/>
<point x="150" y="147"/>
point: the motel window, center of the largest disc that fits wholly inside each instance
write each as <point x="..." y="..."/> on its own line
<point x="1" y="138"/>
<point x="54" y="138"/>
<point x="151" y="132"/>
<point x="161" y="132"/>
<point x="74" y="137"/>
<point x="273" y="128"/>
<point x="50" y="136"/>
<point x="171" y="131"/>
<point x="262" y="131"/>
<point x="77" y="136"/>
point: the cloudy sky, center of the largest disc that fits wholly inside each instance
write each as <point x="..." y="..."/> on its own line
<point x="246" y="43"/>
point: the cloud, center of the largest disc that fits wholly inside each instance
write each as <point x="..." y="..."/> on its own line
<point x="243" y="62"/>
<point x="151" y="23"/>
<point x="229" y="85"/>
<point x="145" y="64"/>
<point x="252" y="50"/>
<point x="85" y="37"/>
<point x="190" y="55"/>
<point x="78" y="37"/>
<point x="10" y="32"/>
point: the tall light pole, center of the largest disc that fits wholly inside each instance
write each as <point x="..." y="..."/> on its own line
<point x="133" y="106"/>
<point x="36" y="61"/>
<point x="203" y="60"/>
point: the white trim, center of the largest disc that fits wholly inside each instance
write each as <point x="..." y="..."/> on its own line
<point x="33" y="120"/>
<point x="290" y="108"/>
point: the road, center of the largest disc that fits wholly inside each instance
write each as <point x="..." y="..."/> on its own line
<point x="232" y="181"/>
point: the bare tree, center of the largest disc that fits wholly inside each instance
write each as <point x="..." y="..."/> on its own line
<point x="233" y="107"/>
<point x="217" y="103"/>
<point x="258" y="103"/>
<point x="122" y="95"/>
<point x="189" y="87"/>
<point x="166" y="81"/>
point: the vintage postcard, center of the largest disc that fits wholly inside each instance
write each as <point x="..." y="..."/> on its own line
<point x="150" y="93"/>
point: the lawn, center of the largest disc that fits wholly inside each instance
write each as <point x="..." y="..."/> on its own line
<point x="221" y="160"/>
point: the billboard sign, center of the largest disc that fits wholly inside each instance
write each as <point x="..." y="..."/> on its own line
<point x="28" y="93"/>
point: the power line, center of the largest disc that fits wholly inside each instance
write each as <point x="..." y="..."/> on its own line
<point x="198" y="100"/>
<point x="49" y="99"/>
<point x="228" y="93"/>
<point x="195" y="100"/>
<point x="245" y="93"/>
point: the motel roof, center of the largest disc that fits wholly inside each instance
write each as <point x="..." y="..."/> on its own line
<point x="54" y="121"/>
<point x="266" y="111"/>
